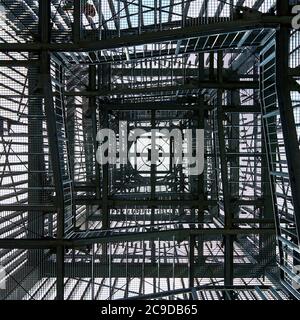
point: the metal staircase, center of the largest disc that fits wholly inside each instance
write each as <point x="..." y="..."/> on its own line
<point x="287" y="237"/>
<point x="62" y="145"/>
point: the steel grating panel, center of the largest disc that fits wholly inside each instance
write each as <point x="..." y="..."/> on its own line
<point x="71" y="228"/>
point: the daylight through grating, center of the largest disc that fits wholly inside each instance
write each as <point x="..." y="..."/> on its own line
<point x="149" y="150"/>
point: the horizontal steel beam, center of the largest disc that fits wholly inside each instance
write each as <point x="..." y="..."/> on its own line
<point x="26" y="207"/>
<point x="208" y="287"/>
<point x="187" y="71"/>
<point x="169" y="217"/>
<point x="200" y="85"/>
<point x="93" y="33"/>
<point x="149" y="270"/>
<point x="18" y="63"/>
<point x="146" y="217"/>
<point x="176" y="106"/>
<point x="145" y="55"/>
<point x="189" y="203"/>
<point x="203" y="30"/>
<point x="108" y="236"/>
<point x="141" y="202"/>
<point x="151" y="106"/>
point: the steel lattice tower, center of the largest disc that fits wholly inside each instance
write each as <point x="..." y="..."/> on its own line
<point x="71" y="228"/>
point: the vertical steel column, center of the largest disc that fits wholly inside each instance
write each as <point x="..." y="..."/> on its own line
<point x="233" y="144"/>
<point x="233" y="188"/>
<point x="201" y="188"/>
<point x="36" y="161"/>
<point x="93" y="110"/>
<point x="197" y="242"/>
<point x="105" y="167"/>
<point x="286" y="110"/>
<point x="267" y="243"/>
<point x="192" y="243"/>
<point x="70" y="124"/>
<point x="44" y="30"/>
<point x="228" y="256"/>
<point x="77" y="21"/>
<point x="152" y="196"/>
<point x="104" y="82"/>
<point x="269" y="146"/>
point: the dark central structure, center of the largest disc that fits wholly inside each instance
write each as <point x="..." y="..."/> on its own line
<point x="71" y="228"/>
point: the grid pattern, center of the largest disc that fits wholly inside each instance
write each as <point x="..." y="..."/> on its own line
<point x="73" y="229"/>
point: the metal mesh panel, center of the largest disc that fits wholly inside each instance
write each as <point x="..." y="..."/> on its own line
<point x="19" y="21"/>
<point x="25" y="170"/>
<point x="27" y="274"/>
<point x="125" y="231"/>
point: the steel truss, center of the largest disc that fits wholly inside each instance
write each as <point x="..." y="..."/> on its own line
<point x="73" y="229"/>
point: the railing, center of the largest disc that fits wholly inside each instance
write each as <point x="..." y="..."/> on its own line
<point x="62" y="142"/>
<point x="287" y="236"/>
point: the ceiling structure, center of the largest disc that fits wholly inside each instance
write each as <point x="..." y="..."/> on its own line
<point x="71" y="228"/>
